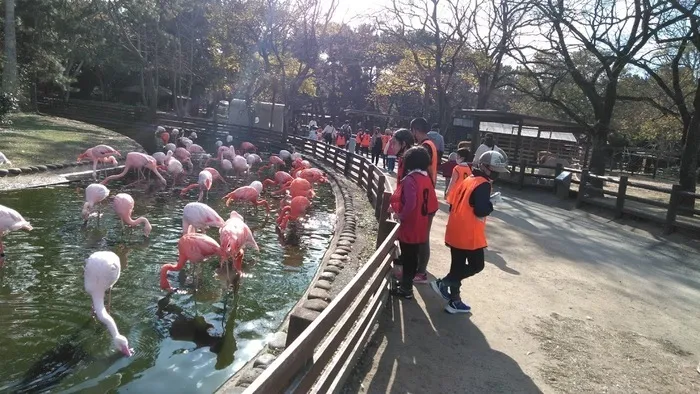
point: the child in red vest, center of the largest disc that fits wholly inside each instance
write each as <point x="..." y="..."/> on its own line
<point x="414" y="201"/>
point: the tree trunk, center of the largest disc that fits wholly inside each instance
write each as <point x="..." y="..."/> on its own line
<point x="689" y="159"/>
<point x="9" y="71"/>
<point x="599" y="153"/>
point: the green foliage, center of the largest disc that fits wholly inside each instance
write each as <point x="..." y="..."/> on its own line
<point x="8" y="104"/>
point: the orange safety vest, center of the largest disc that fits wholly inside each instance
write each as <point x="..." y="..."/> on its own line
<point x="358" y="138"/>
<point x="340" y="140"/>
<point x="365" y="140"/>
<point x="463" y="172"/>
<point x="385" y="140"/>
<point x="432" y="170"/>
<point x="465" y="230"/>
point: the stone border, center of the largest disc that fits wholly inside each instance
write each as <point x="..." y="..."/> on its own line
<point x="318" y="294"/>
<point x="18" y="171"/>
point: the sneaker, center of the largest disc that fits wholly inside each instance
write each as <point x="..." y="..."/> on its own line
<point x="420" y="279"/>
<point x="405" y="294"/>
<point x="440" y="288"/>
<point x="457" y="307"/>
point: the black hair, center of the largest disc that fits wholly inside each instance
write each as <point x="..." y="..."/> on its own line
<point x="465" y="154"/>
<point x="419" y="124"/>
<point x="404" y="136"/>
<point x="416" y="158"/>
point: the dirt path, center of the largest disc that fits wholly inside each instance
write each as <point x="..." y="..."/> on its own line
<point x="568" y="302"/>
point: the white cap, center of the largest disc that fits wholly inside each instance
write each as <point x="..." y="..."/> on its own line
<point x="494" y="161"/>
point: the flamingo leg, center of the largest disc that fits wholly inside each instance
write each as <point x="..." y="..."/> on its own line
<point x="109" y="299"/>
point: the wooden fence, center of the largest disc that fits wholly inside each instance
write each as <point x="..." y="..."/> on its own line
<point x="322" y="357"/>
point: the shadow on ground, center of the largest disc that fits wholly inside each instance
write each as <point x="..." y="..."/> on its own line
<point x="476" y="368"/>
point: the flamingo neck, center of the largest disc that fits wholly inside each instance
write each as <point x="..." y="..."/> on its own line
<point x="164" y="284"/>
<point x="98" y="304"/>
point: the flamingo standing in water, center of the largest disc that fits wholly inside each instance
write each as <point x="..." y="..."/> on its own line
<point x="95" y="154"/>
<point x="252" y="158"/>
<point x="198" y="216"/>
<point x="137" y="161"/>
<point x="226" y="165"/>
<point x="296" y="209"/>
<point x="175" y="169"/>
<point x="215" y="174"/>
<point x="204" y="182"/>
<point x="313" y="175"/>
<point x="160" y="158"/>
<point x="184" y="156"/>
<point x="10" y="220"/>
<point x="248" y="147"/>
<point x="275" y="162"/>
<point x="123" y="205"/>
<point x="280" y="178"/>
<point x="102" y="270"/>
<point x="285" y="155"/>
<point x="94" y="194"/>
<point x="192" y="247"/>
<point x="249" y="193"/>
<point x="240" y="165"/>
<point x="234" y="236"/>
<point x="170" y="146"/>
<point x="298" y="187"/>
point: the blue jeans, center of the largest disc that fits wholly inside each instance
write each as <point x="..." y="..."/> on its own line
<point x="390" y="163"/>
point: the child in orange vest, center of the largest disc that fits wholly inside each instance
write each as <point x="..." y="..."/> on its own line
<point x="414" y="201"/>
<point x="460" y="172"/>
<point x="465" y="234"/>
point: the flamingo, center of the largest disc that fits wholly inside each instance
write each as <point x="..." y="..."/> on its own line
<point x="285" y="155"/>
<point x="252" y="158"/>
<point x="240" y="165"/>
<point x="170" y="146"/>
<point x="234" y="236"/>
<point x="4" y="160"/>
<point x="300" y="165"/>
<point x="192" y="247"/>
<point x="193" y="135"/>
<point x="10" y="220"/>
<point x="226" y="166"/>
<point x="194" y="148"/>
<point x="95" y="153"/>
<point x="186" y="142"/>
<point x="102" y="270"/>
<point x="175" y="133"/>
<point x="175" y="169"/>
<point x="313" y="175"/>
<point x="249" y="193"/>
<point x="183" y="155"/>
<point x="215" y="174"/>
<point x="280" y="178"/>
<point x="296" y="156"/>
<point x="137" y="161"/>
<point x="198" y="216"/>
<point x="204" y="182"/>
<point x="109" y="160"/>
<point x="275" y="161"/>
<point x="298" y="187"/>
<point x="248" y="147"/>
<point x="95" y="193"/>
<point x="220" y="151"/>
<point x="229" y="139"/>
<point x="218" y="144"/>
<point x="160" y="157"/>
<point x="296" y="209"/>
<point x="123" y="205"/>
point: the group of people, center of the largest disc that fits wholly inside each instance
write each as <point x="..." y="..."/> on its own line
<point x="415" y="203"/>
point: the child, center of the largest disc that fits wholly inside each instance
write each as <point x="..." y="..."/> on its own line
<point x="460" y="172"/>
<point x="465" y="234"/>
<point x="340" y="140"/>
<point x="446" y="169"/>
<point x="414" y="201"/>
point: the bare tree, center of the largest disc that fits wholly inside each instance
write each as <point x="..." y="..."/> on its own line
<point x="589" y="45"/>
<point x="9" y="71"/>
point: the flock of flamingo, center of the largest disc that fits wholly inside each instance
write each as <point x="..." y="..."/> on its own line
<point x="103" y="268"/>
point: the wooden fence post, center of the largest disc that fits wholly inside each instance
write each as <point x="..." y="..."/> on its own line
<point x="348" y="163"/>
<point x="362" y="171"/>
<point x="672" y="209"/>
<point x="621" y="191"/>
<point x="335" y="158"/>
<point x="582" y="188"/>
<point x="380" y="196"/>
<point x="521" y="180"/>
<point x="325" y="152"/>
<point x="370" y="179"/>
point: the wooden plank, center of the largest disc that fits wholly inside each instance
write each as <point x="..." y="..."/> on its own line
<point x="649" y="187"/>
<point x="280" y="373"/>
<point x="647" y="201"/>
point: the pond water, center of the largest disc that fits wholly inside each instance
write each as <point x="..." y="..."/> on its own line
<point x="190" y="341"/>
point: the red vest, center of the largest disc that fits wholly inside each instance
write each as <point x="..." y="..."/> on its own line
<point x="414" y="227"/>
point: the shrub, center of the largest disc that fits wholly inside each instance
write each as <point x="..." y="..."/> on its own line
<point x="8" y="103"/>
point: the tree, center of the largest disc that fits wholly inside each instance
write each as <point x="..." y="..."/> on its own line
<point x="9" y="71"/>
<point x="607" y="36"/>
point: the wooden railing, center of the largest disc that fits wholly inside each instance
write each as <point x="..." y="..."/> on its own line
<point x="321" y="358"/>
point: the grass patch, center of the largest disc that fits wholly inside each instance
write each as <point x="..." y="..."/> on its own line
<point x="38" y="139"/>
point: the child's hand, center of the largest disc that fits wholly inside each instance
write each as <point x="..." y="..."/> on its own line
<point x="496" y="198"/>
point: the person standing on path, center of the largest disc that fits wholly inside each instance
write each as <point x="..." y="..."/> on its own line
<point x="376" y="146"/>
<point x="465" y="234"/>
<point x="403" y="140"/>
<point x="419" y="128"/>
<point x="386" y="136"/>
<point x="328" y="133"/>
<point x="460" y="172"/>
<point x="414" y="201"/>
<point x="489" y="144"/>
<point x="366" y="140"/>
<point x="438" y="140"/>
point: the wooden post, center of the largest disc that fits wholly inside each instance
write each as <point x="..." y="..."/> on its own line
<point x="621" y="191"/>
<point x="582" y="188"/>
<point x="384" y="230"/>
<point x="325" y="152"/>
<point x="370" y="178"/>
<point x="672" y="209"/>
<point x="559" y="169"/>
<point x="348" y="163"/>
<point x="380" y="196"/>
<point x="384" y="211"/>
<point x="335" y="158"/>
<point x="362" y="170"/>
<point x="521" y="180"/>
<point x="518" y="142"/>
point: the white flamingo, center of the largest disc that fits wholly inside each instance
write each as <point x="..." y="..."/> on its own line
<point x="10" y="220"/>
<point x="94" y="194"/>
<point x="198" y="216"/>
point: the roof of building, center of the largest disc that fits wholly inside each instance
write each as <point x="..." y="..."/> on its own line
<point x="504" y="128"/>
<point x="495" y="116"/>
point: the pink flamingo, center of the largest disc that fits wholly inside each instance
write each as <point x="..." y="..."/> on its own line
<point x="109" y="160"/>
<point x="275" y="161"/>
<point x="248" y="147"/>
<point x="198" y="216"/>
<point x="215" y="174"/>
<point x="160" y="158"/>
<point x="170" y="146"/>
<point x="249" y="193"/>
<point x="285" y="155"/>
<point x="102" y="270"/>
<point x="240" y="165"/>
<point x="95" y="153"/>
<point x="10" y="220"/>
<point x="221" y="153"/>
<point x="183" y="155"/>
<point x="296" y="209"/>
<point x="137" y="161"/>
<point x="252" y="158"/>
<point x="234" y="236"/>
<point x="194" y="148"/>
<point x="192" y="247"/>
<point x="123" y="205"/>
<point x="226" y="166"/>
<point x="175" y="169"/>
<point x="313" y="175"/>
<point x="94" y="194"/>
<point x="298" y="187"/>
<point x="204" y="182"/>
<point x="300" y="165"/>
<point x="280" y="178"/>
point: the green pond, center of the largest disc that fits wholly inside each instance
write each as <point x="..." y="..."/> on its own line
<point x="186" y="342"/>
